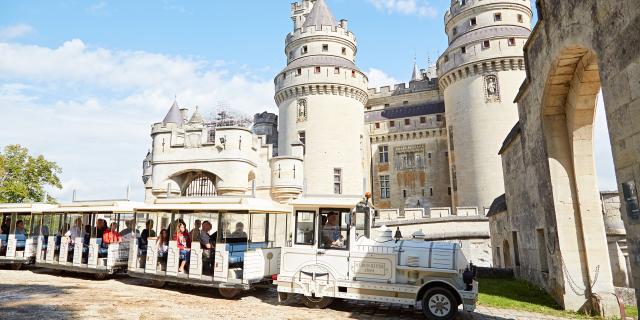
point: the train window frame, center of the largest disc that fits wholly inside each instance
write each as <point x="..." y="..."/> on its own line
<point x="342" y="212"/>
<point x="313" y="225"/>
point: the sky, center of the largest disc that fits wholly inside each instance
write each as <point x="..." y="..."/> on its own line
<point x="81" y="82"/>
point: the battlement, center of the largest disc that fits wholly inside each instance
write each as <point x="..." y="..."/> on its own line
<point x="265" y="117"/>
<point x="331" y="31"/>
<point x="403" y="88"/>
<point x="459" y="6"/>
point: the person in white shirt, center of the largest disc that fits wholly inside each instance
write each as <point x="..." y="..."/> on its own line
<point x="75" y="231"/>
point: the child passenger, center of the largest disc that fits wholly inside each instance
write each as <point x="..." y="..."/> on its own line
<point x="163" y="243"/>
<point x="184" y="244"/>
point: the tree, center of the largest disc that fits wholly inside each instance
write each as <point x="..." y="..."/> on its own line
<point x="24" y="177"/>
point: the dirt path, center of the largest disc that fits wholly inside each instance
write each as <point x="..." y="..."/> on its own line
<point x="39" y="294"/>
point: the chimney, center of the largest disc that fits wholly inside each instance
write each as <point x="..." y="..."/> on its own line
<point x="344" y="24"/>
<point x="185" y="114"/>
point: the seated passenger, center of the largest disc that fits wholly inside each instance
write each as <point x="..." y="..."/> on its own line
<point x="75" y="231"/>
<point x="331" y="237"/>
<point x="146" y="233"/>
<point x="239" y="232"/>
<point x="20" y="228"/>
<point x="87" y="235"/>
<point x="101" y="227"/>
<point x="6" y="226"/>
<point x="184" y="244"/>
<point x="163" y="243"/>
<point x="128" y="233"/>
<point x="195" y="232"/>
<point x="111" y="235"/>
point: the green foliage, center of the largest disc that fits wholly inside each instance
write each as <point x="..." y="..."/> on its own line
<point x="520" y="295"/>
<point x="631" y="311"/>
<point x="24" y="177"/>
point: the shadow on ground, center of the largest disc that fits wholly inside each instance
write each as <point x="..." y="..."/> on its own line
<point x="29" y="302"/>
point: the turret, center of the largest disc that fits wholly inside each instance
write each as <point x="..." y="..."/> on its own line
<point x="480" y="73"/>
<point x="321" y="96"/>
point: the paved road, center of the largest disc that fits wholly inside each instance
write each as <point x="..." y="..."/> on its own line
<point x="38" y="294"/>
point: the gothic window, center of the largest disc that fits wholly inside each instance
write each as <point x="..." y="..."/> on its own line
<point x="492" y="88"/>
<point x="301" y="110"/>
<point x="385" y="192"/>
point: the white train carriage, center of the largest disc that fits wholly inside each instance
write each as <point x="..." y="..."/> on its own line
<point x="87" y="237"/>
<point x="332" y="256"/>
<point x="229" y="243"/>
<point x="20" y="231"/>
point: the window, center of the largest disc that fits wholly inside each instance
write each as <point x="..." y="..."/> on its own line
<point x="516" y="252"/>
<point x="290" y="55"/>
<point x="486" y="44"/>
<point x="392" y="124"/>
<point x="299" y="72"/>
<point x="302" y="136"/>
<point x="386" y="105"/>
<point x="325" y="48"/>
<point x="383" y="154"/>
<point x="305" y="227"/>
<point x="429" y="155"/>
<point x="438" y="117"/>
<point x="377" y="125"/>
<point x="463" y="2"/>
<point x="423" y="119"/>
<point x="353" y="73"/>
<point x="284" y="75"/>
<point x="317" y="69"/>
<point x="542" y="251"/>
<point x="512" y="41"/>
<point x="404" y="193"/>
<point x="431" y="192"/>
<point x="520" y="19"/>
<point x="497" y="16"/>
<point x="463" y="50"/>
<point x="446" y="154"/>
<point x="473" y="21"/>
<point x="336" y="70"/>
<point x="334" y="230"/>
<point x="344" y="51"/>
<point x="407" y="122"/>
<point x="455" y="31"/>
<point x="449" y="190"/>
<point x="404" y="103"/>
<point x="337" y="181"/>
<point x="385" y="192"/>
<point x="446" y="58"/>
<point x="304" y="49"/>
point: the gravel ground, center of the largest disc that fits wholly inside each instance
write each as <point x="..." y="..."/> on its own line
<point x="42" y="294"/>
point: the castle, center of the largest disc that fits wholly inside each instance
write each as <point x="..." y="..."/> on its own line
<point x="426" y="150"/>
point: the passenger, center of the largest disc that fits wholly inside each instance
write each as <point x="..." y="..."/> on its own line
<point x="101" y="227"/>
<point x="331" y="236"/>
<point x="239" y="233"/>
<point x="195" y="232"/>
<point x="75" y="231"/>
<point x="20" y="228"/>
<point x="6" y="226"/>
<point x="128" y="233"/>
<point x="184" y="244"/>
<point x="146" y="233"/>
<point x="207" y="241"/>
<point x="87" y="235"/>
<point x="163" y="243"/>
<point x="111" y="235"/>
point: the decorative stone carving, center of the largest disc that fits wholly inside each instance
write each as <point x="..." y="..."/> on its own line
<point x="302" y="110"/>
<point x="491" y="88"/>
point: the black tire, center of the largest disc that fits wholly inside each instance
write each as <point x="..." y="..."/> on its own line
<point x="316" y="303"/>
<point x="157" y="283"/>
<point x="439" y="304"/>
<point x="229" y="293"/>
<point x="16" y="266"/>
<point x="101" y="276"/>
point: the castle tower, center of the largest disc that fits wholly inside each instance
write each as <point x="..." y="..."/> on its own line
<point x="266" y="124"/>
<point x="321" y="96"/>
<point x="480" y="74"/>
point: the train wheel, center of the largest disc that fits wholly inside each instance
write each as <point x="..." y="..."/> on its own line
<point x="315" y="302"/>
<point x="439" y="304"/>
<point x="101" y="276"/>
<point x="16" y="266"/>
<point x="158" y="283"/>
<point x="228" y="293"/>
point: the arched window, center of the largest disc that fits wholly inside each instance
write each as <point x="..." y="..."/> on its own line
<point x="201" y="186"/>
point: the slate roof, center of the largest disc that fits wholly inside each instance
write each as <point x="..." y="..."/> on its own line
<point x="498" y="205"/>
<point x="416" y="76"/>
<point x="405" y="111"/>
<point x="320" y="15"/>
<point x="196" y="117"/>
<point x="174" y="115"/>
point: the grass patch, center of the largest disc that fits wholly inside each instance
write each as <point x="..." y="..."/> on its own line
<point x="631" y="311"/>
<point x="520" y="295"/>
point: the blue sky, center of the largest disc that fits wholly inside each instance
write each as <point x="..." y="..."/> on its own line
<point x="82" y="81"/>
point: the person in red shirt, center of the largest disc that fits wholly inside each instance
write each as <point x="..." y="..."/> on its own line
<point x="184" y="244"/>
<point x="111" y="235"/>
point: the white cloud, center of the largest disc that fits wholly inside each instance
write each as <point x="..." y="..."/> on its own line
<point x="98" y="7"/>
<point x="407" y="7"/>
<point x="90" y="109"/>
<point x="378" y="78"/>
<point x="15" y="31"/>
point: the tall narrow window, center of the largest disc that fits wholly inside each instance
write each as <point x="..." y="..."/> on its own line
<point x="431" y="192"/>
<point x="305" y="227"/>
<point x="337" y="181"/>
<point x="516" y="250"/>
<point x="377" y="125"/>
<point x="512" y="41"/>
<point x="336" y="70"/>
<point x="423" y="119"/>
<point x="383" y="154"/>
<point x="304" y="49"/>
<point x="317" y="69"/>
<point x="392" y="124"/>
<point x="353" y="73"/>
<point x="486" y="44"/>
<point x="407" y="122"/>
<point x="542" y="250"/>
<point x="344" y="51"/>
<point x="325" y="47"/>
<point x="455" y="31"/>
<point x="463" y="50"/>
<point x="449" y="190"/>
<point x="299" y="72"/>
<point x="404" y="193"/>
<point x="520" y="19"/>
<point x="473" y="21"/>
<point x="384" y="187"/>
<point x="302" y="136"/>
<point x="497" y="16"/>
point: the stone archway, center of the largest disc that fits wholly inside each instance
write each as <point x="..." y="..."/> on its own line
<point x="196" y="183"/>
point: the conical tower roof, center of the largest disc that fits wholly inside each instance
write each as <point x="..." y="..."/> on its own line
<point x="320" y="15"/>
<point x="174" y="115"/>
<point x="196" y="117"/>
<point x="416" y="76"/>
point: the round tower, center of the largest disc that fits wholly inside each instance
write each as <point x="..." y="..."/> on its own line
<point x="321" y="96"/>
<point x="480" y="74"/>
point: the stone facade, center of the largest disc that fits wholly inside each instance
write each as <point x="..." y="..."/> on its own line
<point x="616" y="239"/>
<point x="577" y="47"/>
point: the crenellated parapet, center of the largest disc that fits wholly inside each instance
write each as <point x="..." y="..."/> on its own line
<point x="403" y="88"/>
<point x="328" y="81"/>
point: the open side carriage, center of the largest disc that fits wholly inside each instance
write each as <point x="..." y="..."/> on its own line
<point x="87" y="236"/>
<point x="19" y="232"/>
<point x="229" y="243"/>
